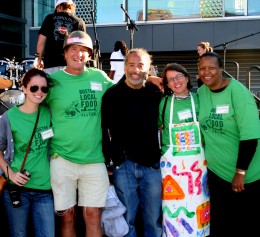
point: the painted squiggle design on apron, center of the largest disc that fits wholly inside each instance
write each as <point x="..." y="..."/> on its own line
<point x="185" y="194"/>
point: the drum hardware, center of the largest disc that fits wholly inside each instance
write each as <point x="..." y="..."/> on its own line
<point x="11" y="73"/>
<point x="13" y="68"/>
<point x="4" y="80"/>
<point x="25" y="65"/>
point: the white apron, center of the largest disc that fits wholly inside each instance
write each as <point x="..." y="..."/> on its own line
<point x="185" y="194"/>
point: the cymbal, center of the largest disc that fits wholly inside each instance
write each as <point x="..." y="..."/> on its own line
<point x="5" y="83"/>
<point x="10" y="98"/>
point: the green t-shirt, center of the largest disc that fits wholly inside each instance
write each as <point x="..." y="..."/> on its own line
<point x="75" y="102"/>
<point x="178" y="107"/>
<point x="226" y="118"/>
<point x="37" y="162"/>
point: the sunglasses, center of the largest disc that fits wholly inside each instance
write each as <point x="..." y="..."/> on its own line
<point x="44" y="89"/>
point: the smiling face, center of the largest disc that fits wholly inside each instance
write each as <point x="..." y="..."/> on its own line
<point x="177" y="82"/>
<point x="136" y="70"/>
<point x="210" y="72"/>
<point x="37" y="96"/>
<point x="76" y="57"/>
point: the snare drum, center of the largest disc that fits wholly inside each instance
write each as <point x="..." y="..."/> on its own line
<point x="4" y="75"/>
<point x="25" y="65"/>
<point x="9" y="98"/>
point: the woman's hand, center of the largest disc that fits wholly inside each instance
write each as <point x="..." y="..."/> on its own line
<point x="18" y="178"/>
<point x="238" y="182"/>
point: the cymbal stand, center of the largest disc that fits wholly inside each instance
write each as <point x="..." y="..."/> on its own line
<point x="231" y="41"/>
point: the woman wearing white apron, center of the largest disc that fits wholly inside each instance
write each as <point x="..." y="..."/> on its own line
<point x="185" y="194"/>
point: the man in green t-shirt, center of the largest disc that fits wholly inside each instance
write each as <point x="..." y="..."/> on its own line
<point x="77" y="163"/>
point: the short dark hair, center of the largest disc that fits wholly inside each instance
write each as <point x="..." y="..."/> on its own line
<point x="121" y="45"/>
<point x="214" y="55"/>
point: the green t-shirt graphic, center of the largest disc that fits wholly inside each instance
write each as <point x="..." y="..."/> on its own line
<point x="75" y="102"/>
<point x="226" y="118"/>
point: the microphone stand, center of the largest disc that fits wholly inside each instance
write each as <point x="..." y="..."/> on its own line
<point x="96" y="51"/>
<point x="226" y="43"/>
<point x="130" y="26"/>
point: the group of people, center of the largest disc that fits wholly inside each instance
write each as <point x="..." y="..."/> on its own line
<point x="200" y="176"/>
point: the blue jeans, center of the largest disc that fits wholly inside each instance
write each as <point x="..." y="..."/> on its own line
<point x="37" y="204"/>
<point x="136" y="184"/>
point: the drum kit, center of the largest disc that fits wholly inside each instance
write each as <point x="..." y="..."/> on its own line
<point x="11" y="73"/>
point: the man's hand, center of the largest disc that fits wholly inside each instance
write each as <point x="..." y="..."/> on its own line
<point x="158" y="81"/>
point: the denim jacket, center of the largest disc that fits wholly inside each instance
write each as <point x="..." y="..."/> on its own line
<point x="6" y="140"/>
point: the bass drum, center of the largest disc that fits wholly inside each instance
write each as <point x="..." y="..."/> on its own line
<point x="10" y="98"/>
<point x="5" y="82"/>
<point x="25" y="65"/>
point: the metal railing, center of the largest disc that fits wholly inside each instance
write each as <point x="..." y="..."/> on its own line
<point x="248" y="79"/>
<point x="236" y="67"/>
<point x="248" y="82"/>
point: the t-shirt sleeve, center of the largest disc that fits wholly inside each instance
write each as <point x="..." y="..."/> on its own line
<point x="45" y="25"/>
<point x="246" y="113"/>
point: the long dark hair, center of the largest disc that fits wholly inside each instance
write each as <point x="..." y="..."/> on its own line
<point x="121" y="45"/>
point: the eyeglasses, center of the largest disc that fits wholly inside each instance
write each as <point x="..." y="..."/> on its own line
<point x="44" y="89"/>
<point x="176" y="78"/>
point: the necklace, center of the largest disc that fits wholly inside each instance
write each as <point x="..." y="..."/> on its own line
<point x="182" y="97"/>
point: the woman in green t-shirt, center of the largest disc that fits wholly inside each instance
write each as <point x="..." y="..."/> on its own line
<point x="28" y="191"/>
<point x="229" y="121"/>
<point x="185" y="197"/>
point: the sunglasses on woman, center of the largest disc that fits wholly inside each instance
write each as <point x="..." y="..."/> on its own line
<point x="44" y="89"/>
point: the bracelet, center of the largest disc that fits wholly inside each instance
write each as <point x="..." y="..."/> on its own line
<point x="242" y="172"/>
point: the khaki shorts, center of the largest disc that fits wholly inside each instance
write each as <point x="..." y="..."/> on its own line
<point x="91" y="180"/>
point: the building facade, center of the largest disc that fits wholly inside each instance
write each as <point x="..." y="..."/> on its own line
<point x="168" y="29"/>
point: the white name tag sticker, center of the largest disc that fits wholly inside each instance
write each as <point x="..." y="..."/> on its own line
<point x="95" y="86"/>
<point x="47" y="134"/>
<point x="185" y="114"/>
<point x="222" y="109"/>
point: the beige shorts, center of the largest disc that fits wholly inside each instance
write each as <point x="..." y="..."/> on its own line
<point x="91" y="180"/>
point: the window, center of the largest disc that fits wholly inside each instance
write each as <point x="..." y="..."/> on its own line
<point x="12" y="27"/>
<point x="41" y="9"/>
<point x="235" y="7"/>
<point x="110" y="11"/>
<point x="253" y="7"/>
